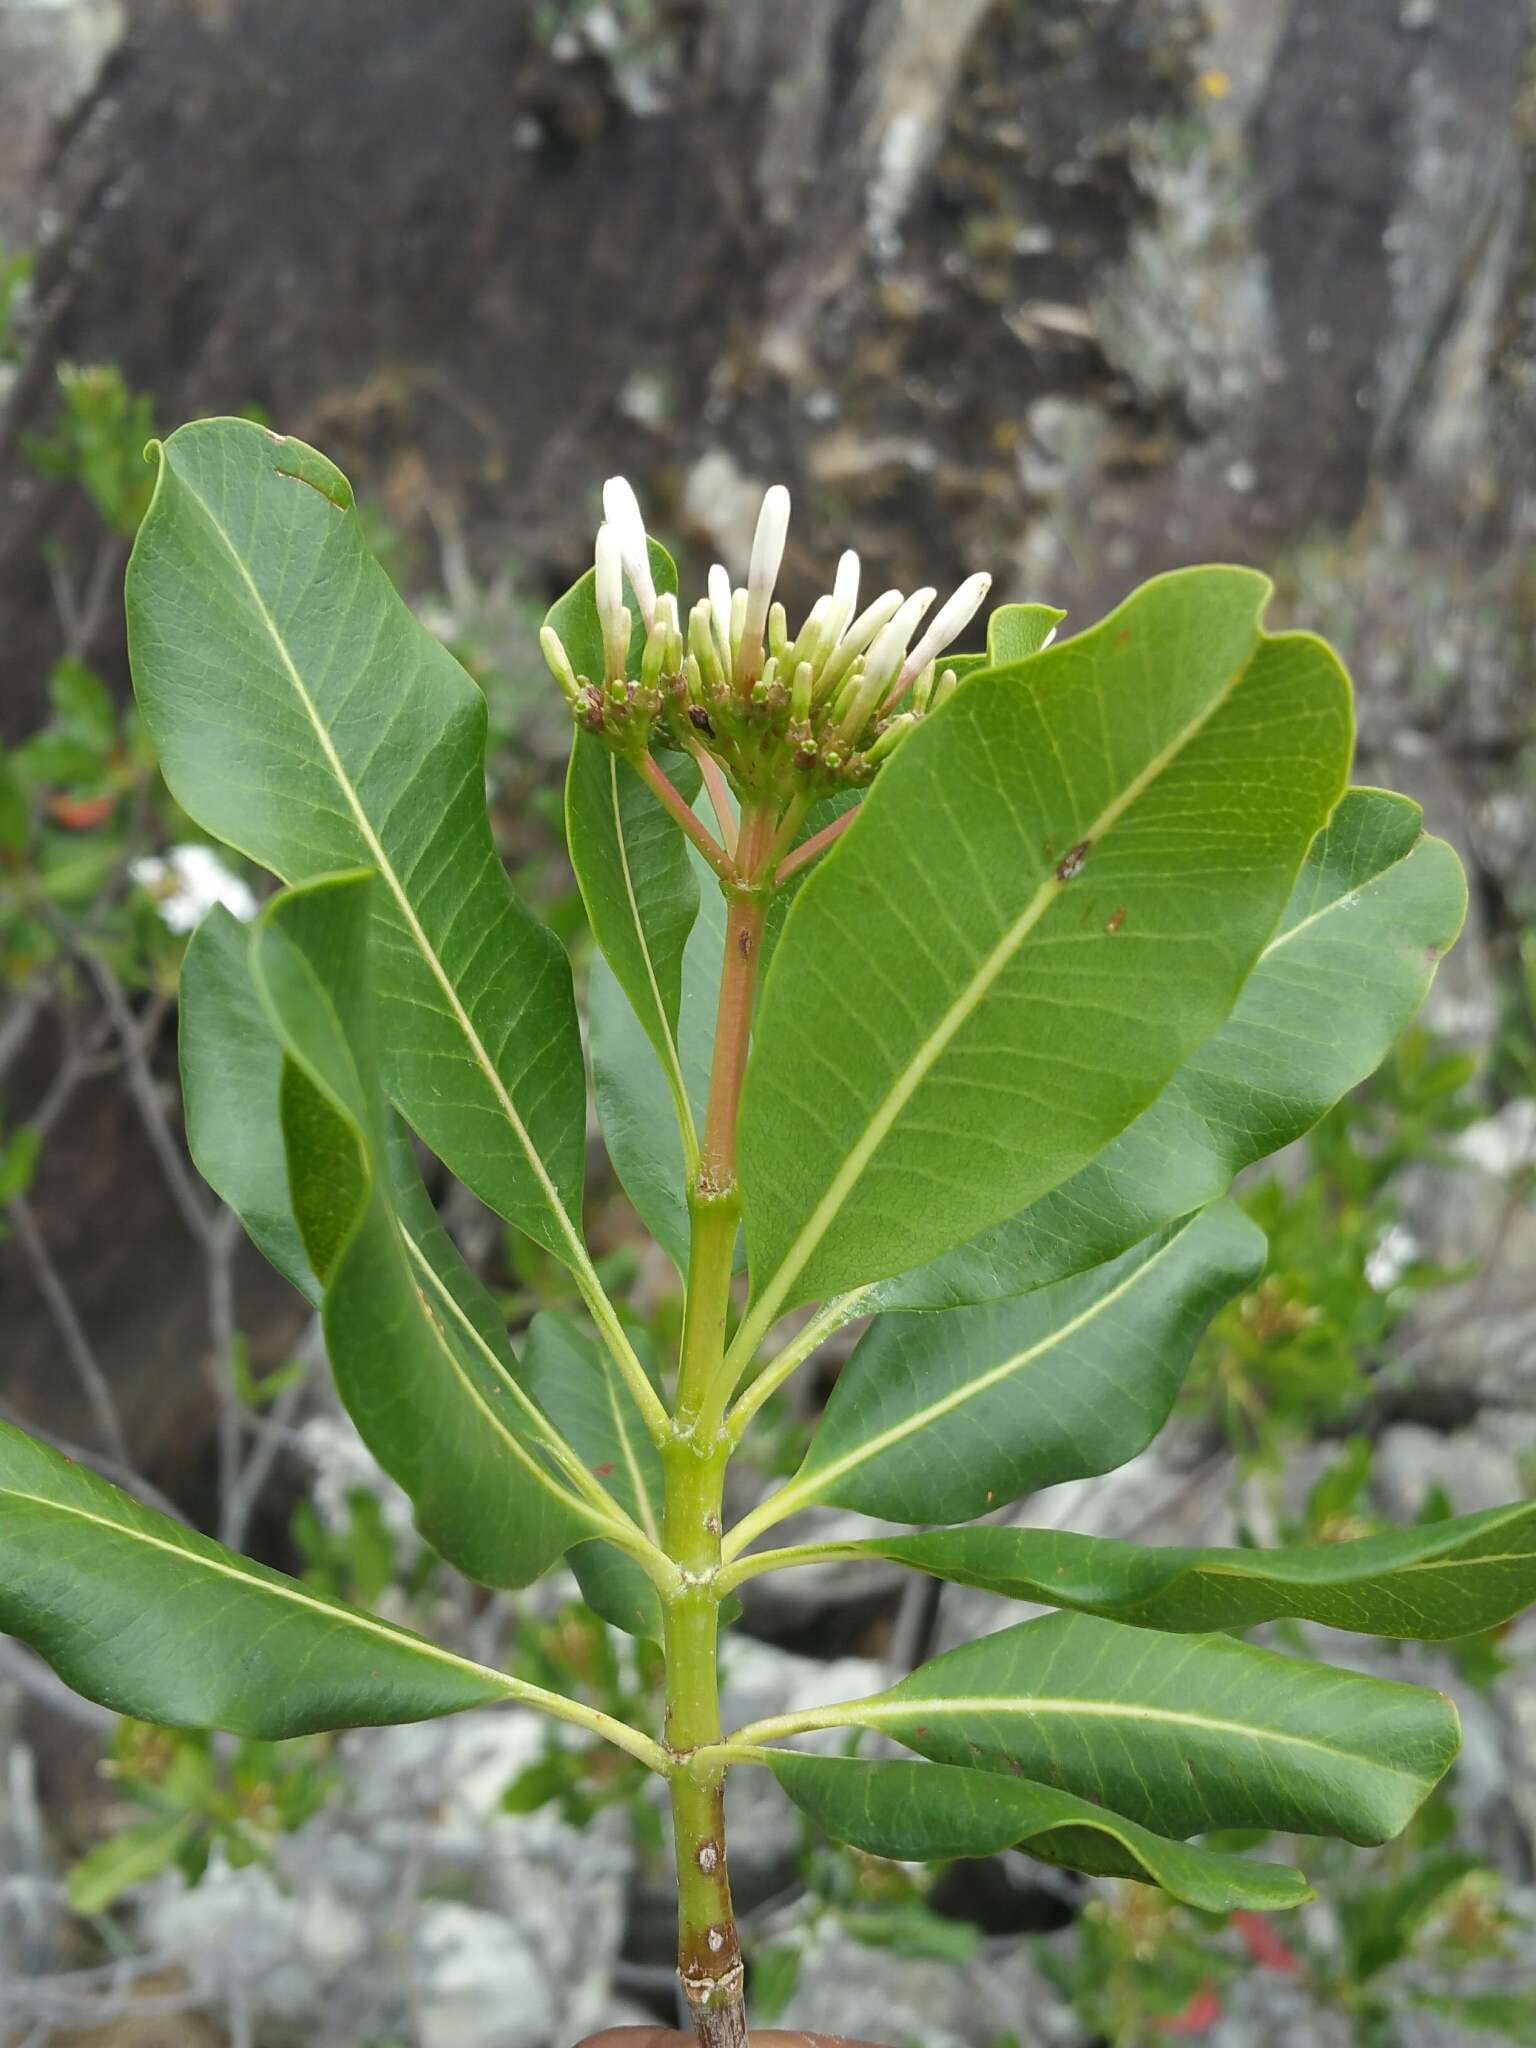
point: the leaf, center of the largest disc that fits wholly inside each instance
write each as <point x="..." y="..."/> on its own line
<point x="419" y="1354"/>
<point x="931" y="1813"/>
<point x="637" y="881"/>
<point x="1180" y="1733"/>
<point x="302" y="714"/>
<point x="131" y="1856"/>
<point x="1428" y="1584"/>
<point x="1053" y="894"/>
<point x="634" y="1103"/>
<point x="1505" y="2013"/>
<point x="1014" y="632"/>
<point x="231" y="1071"/>
<point x="155" y="1620"/>
<point x="937" y="1418"/>
<point x="581" y="1391"/>
<point x="1373" y="910"/>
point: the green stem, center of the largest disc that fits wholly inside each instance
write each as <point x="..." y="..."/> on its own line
<point x="849" y="1551"/>
<point x="694" y="1461"/>
<point x="807" y="1340"/>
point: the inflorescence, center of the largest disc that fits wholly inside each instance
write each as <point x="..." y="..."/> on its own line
<point x="820" y="711"/>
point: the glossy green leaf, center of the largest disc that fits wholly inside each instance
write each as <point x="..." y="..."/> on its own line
<point x="1373" y="910"/>
<point x="300" y="712"/>
<point x="637" y="881"/>
<point x="578" y="1387"/>
<point x="1014" y="632"/>
<point x="231" y="1069"/>
<point x="157" y="1621"/>
<point x="634" y="1099"/>
<point x="1426" y="1584"/>
<point x="1180" y="1733"/>
<point x="419" y="1356"/>
<point x="937" y="1418"/>
<point x="1053" y="894"/>
<point x="931" y="1813"/>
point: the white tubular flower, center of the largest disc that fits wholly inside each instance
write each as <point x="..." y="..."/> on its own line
<point x="857" y="638"/>
<point x="621" y="510"/>
<point x="610" y="572"/>
<point x="612" y="612"/>
<point x="767" y="558"/>
<point x="720" y="607"/>
<point x="845" y="594"/>
<point x="560" y="665"/>
<point x="890" y="647"/>
<point x="951" y="619"/>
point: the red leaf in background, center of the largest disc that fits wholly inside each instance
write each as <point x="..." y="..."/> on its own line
<point x="1264" y="1945"/>
<point x="1202" y="2011"/>
<point x="81" y="813"/>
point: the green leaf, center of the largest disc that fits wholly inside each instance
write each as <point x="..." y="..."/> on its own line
<point x="637" y="881"/>
<point x="157" y="1621"/>
<point x="1014" y="632"/>
<point x="582" y="1392"/>
<point x="231" y="1072"/>
<point x="931" y="1813"/>
<point x="131" y="1856"/>
<point x="1180" y="1733"/>
<point x="301" y="713"/>
<point x="418" y="1351"/>
<point x="19" y="1155"/>
<point x="937" y="1418"/>
<point x="1427" y="1584"/>
<point x="1373" y="910"/>
<point x="1052" y="896"/>
<point x="634" y="1104"/>
<point x="1505" y="2013"/>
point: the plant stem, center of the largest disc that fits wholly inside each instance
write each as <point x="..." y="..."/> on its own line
<point x="663" y="787"/>
<point x="817" y="843"/>
<point x="708" y="1950"/>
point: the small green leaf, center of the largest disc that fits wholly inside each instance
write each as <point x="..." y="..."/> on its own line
<point x="579" y="1388"/>
<point x="231" y="1072"/>
<point x="18" y="1161"/>
<point x="940" y="1417"/>
<point x="300" y="712"/>
<point x="131" y="1856"/>
<point x="1427" y="1584"/>
<point x="419" y="1353"/>
<point x="157" y="1621"/>
<point x="930" y="1813"/>
<point x="1052" y="896"/>
<point x="1181" y="1733"/>
<point x="1373" y="910"/>
<point x="637" y="881"/>
<point x="636" y="1105"/>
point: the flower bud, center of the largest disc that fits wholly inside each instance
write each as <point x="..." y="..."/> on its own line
<point x="890" y="645"/>
<point x="553" y="648"/>
<point x="720" y="606"/>
<point x="952" y="618"/>
<point x="891" y="737"/>
<point x="800" y="694"/>
<point x="845" y="592"/>
<point x="778" y="630"/>
<point x="621" y="511"/>
<point x="857" y="638"/>
<point x="767" y="557"/>
<point x="944" y="688"/>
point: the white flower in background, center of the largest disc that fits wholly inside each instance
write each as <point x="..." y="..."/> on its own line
<point x="187" y="881"/>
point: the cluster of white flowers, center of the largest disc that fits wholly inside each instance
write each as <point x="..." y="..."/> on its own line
<point x="837" y="698"/>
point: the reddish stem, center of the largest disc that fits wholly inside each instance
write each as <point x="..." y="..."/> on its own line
<point x="738" y="987"/>
<point x="657" y="779"/>
<point x="817" y="843"/>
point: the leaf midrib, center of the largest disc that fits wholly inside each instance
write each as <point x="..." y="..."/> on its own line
<point x="921" y="1063"/>
<point x="341" y="1617"/>
<point x="827" y="1475"/>
<point x="392" y="880"/>
<point x="874" y="1714"/>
